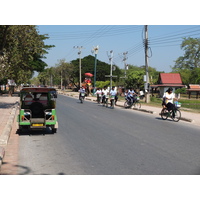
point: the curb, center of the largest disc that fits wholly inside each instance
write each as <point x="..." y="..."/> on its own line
<point x="144" y="110"/>
<point x="185" y="119"/>
<point x="2" y="153"/>
<point x="6" y="133"/>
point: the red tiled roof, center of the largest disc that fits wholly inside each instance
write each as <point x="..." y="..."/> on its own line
<point x="170" y="78"/>
<point x="194" y="86"/>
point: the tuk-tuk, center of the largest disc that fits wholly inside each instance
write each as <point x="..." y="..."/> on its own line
<point x="37" y="109"/>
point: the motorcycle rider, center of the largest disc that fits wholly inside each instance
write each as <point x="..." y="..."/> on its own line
<point x="127" y="96"/>
<point x="113" y="94"/>
<point x="168" y="99"/>
<point x="132" y="95"/>
<point x="98" y="93"/>
<point x="105" y="92"/>
<point x="82" y="91"/>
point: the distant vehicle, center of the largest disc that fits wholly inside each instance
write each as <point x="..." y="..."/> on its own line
<point x="37" y="109"/>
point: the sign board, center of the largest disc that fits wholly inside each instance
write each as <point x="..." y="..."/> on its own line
<point x="145" y="79"/>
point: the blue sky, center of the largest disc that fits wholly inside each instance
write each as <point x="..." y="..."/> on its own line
<point x="164" y="43"/>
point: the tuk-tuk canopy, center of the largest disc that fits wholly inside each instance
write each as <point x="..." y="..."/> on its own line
<point x="38" y="89"/>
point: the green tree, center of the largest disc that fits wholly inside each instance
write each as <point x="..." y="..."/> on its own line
<point x="62" y="72"/>
<point x="135" y="79"/>
<point x="135" y="76"/>
<point x="191" y="58"/>
<point x="23" y="50"/>
<point x="188" y="65"/>
<point x="65" y="71"/>
<point x="102" y="68"/>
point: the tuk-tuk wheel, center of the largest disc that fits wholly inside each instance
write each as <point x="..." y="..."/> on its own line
<point x="54" y="130"/>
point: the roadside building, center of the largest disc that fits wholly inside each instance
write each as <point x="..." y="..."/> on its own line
<point x="165" y="81"/>
<point x="193" y="89"/>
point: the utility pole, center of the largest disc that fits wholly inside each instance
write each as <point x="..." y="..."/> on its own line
<point x="125" y="65"/>
<point x="147" y="96"/>
<point x="95" y="51"/>
<point x="61" y="81"/>
<point x="79" y="53"/>
<point x="111" y="60"/>
<point x="111" y="68"/>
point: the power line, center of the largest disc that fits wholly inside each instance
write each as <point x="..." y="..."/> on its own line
<point x="174" y="38"/>
<point x="113" y="30"/>
<point x="106" y="31"/>
<point x="84" y="42"/>
<point x="181" y="32"/>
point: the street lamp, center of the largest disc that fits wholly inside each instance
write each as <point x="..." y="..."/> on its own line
<point x="79" y="53"/>
<point x="95" y="51"/>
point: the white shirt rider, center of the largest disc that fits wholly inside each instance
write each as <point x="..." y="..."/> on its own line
<point x="113" y="92"/>
<point x="99" y="92"/>
<point x="82" y="90"/>
<point x="105" y="92"/>
<point x="131" y="92"/>
<point x="169" y="97"/>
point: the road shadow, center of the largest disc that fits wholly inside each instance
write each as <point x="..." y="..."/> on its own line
<point x="23" y="170"/>
<point x="160" y="118"/>
<point x="5" y="105"/>
<point x="47" y="131"/>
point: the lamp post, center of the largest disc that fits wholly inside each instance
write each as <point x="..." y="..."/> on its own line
<point x="79" y="53"/>
<point x="95" y="50"/>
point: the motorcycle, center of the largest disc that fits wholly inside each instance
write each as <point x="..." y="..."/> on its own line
<point x="82" y="97"/>
<point x="98" y="98"/>
<point x="105" y="100"/>
<point x="129" y="103"/>
<point x="112" y="101"/>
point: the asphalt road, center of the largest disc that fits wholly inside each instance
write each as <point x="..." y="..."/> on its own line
<point x="92" y="139"/>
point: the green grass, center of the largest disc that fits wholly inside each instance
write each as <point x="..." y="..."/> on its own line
<point x="192" y="105"/>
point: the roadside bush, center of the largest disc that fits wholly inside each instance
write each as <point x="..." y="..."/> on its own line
<point x="102" y="84"/>
<point x="181" y="91"/>
<point x="156" y="100"/>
